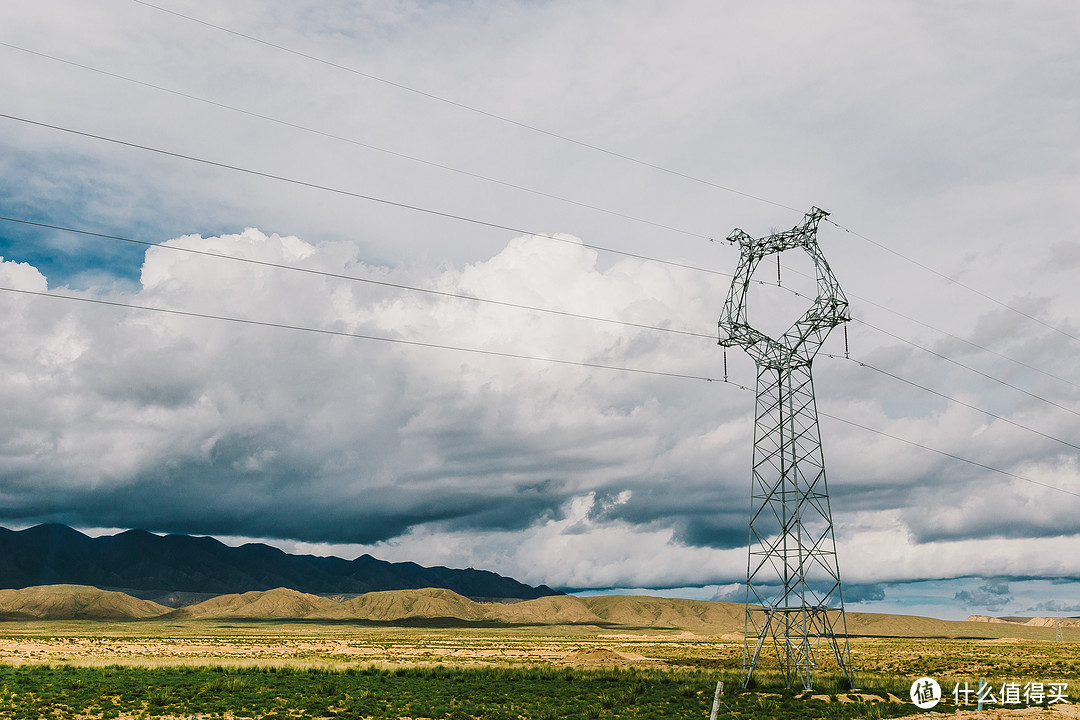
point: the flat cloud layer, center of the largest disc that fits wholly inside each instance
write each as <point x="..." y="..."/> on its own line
<point x="932" y="131"/>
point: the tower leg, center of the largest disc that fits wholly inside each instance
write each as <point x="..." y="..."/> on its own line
<point x="793" y="593"/>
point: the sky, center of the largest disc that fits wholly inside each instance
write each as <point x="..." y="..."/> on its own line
<point x="577" y="166"/>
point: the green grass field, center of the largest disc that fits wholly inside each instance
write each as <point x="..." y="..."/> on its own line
<point x="84" y="670"/>
<point x="46" y="691"/>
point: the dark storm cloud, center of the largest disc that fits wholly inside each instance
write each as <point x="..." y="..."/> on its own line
<point x="1055" y="606"/>
<point x="709" y="515"/>
<point x="855" y="593"/>
<point x="280" y="502"/>
<point x="991" y="595"/>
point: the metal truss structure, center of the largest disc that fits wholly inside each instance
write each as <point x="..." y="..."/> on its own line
<point x="793" y="594"/>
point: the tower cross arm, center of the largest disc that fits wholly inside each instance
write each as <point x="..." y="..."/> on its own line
<point x="802" y="340"/>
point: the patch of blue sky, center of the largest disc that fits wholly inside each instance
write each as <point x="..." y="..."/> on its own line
<point x="945" y="599"/>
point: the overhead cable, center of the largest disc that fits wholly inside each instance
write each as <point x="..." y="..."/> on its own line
<point x="952" y="399"/>
<point x="354" y="278"/>
<point x="967" y="342"/>
<point x="516" y="356"/>
<point x="945" y="357"/>
<point x="956" y="282"/>
<point x="463" y="106"/>
<point x="368" y="146"/>
<point x="967" y="367"/>
<point x="361" y="196"/>
<point x="223" y="256"/>
<point x="590" y="146"/>
<point x="360" y="336"/>
<point x="949" y="455"/>
<point x="370" y="281"/>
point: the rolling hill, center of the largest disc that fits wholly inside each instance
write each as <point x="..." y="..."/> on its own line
<point x="74" y="602"/>
<point x="441" y="607"/>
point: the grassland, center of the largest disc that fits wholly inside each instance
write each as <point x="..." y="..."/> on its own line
<point x="559" y="658"/>
<point x="273" y="669"/>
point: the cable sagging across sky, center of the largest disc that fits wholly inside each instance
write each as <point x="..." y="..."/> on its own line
<point x="492" y="353"/>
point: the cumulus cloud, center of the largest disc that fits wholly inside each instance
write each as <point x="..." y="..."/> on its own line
<point x="171" y="422"/>
<point x="554" y="473"/>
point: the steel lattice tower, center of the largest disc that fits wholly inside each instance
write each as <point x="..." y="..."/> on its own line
<point x="793" y="593"/>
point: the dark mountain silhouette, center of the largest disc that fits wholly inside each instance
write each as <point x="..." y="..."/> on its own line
<point x="155" y="566"/>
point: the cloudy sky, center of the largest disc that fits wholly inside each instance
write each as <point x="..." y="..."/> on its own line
<point x="580" y="159"/>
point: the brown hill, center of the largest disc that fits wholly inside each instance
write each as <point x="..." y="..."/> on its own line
<point x="1052" y="622"/>
<point x="887" y="625"/>
<point x="74" y="602"/>
<point x="561" y="610"/>
<point x="1046" y="622"/>
<point x="277" y="604"/>
<point x="654" y="612"/>
<point x="428" y="604"/>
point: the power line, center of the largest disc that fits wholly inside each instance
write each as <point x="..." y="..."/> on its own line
<point x="222" y="256"/>
<point x="421" y="209"/>
<point x="956" y="282"/>
<point x="263" y="263"/>
<point x="463" y="106"/>
<point x="516" y="356"/>
<point x="556" y="197"/>
<point x="359" y="336"/>
<point x="590" y="146"/>
<point x="473" y="298"/>
<point x="948" y="454"/>
<point x="968" y="367"/>
<point x="348" y="193"/>
<point x="952" y="399"/>
<point x="358" y="143"/>
<point x="967" y="342"/>
<point x="564" y="313"/>
<point x="939" y="355"/>
<point x="370" y="281"/>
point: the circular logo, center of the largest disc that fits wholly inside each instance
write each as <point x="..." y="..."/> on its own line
<point x="925" y="693"/>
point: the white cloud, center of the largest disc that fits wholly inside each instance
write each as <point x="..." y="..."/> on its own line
<point x="944" y="136"/>
<point x="551" y="473"/>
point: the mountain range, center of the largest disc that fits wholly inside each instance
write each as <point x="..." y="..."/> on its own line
<point x="179" y="569"/>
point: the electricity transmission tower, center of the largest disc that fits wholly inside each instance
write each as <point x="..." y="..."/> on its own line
<point x="793" y="593"/>
<point x="1058" y="636"/>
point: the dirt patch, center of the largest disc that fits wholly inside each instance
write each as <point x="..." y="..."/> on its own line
<point x="855" y="697"/>
<point x="597" y="656"/>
